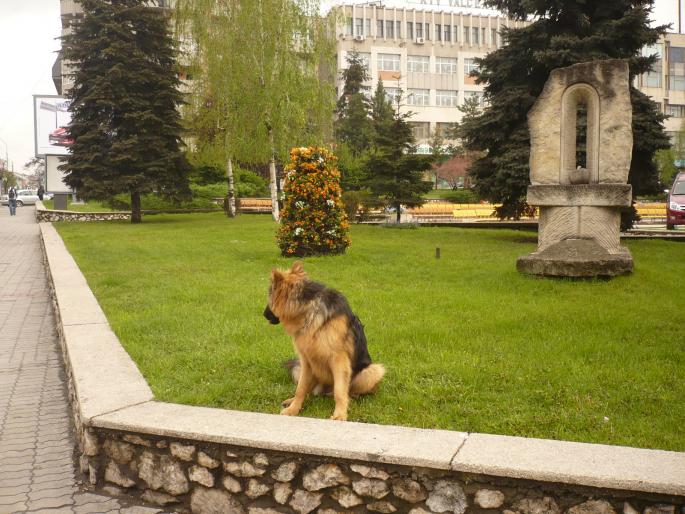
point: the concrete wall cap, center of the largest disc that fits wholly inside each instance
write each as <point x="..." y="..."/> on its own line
<point x="347" y="440"/>
<point x="596" y="465"/>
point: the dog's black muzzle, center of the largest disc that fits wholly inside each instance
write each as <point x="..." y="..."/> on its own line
<point x="268" y="314"/>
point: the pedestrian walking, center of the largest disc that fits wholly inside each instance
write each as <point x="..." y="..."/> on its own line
<point x="41" y="192"/>
<point x="12" y="195"/>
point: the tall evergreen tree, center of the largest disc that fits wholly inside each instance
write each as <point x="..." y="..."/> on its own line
<point x="564" y="32"/>
<point x="396" y="171"/>
<point x="353" y="123"/>
<point x="125" y="123"/>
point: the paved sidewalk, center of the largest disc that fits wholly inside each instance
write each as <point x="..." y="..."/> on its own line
<point x="37" y="472"/>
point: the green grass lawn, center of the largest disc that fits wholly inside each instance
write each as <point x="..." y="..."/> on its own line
<point x="469" y="343"/>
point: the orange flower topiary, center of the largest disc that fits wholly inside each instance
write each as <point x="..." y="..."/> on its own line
<point x="313" y="220"/>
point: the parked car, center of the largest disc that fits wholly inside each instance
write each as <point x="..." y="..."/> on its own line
<point x="24" y="197"/>
<point x="675" y="210"/>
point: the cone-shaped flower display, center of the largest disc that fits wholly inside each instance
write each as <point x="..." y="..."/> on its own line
<point x="313" y="220"/>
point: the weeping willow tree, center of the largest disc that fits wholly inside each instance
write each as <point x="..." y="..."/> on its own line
<point x="260" y="70"/>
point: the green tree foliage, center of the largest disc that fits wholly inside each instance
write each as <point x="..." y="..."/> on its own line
<point x="394" y="168"/>
<point x="314" y="220"/>
<point x="124" y="103"/>
<point x="353" y="124"/>
<point x="564" y="32"/>
<point x="259" y="71"/>
<point x="352" y="128"/>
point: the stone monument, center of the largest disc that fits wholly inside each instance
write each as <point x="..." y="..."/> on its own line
<point x="580" y="205"/>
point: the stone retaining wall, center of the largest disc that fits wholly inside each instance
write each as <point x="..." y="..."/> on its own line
<point x="49" y="215"/>
<point x="207" y="460"/>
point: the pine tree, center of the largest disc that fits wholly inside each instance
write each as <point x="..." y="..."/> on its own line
<point x="395" y="169"/>
<point x="353" y="124"/>
<point x="564" y="32"/>
<point x="125" y="123"/>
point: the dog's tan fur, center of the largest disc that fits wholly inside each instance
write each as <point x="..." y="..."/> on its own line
<point x="325" y="346"/>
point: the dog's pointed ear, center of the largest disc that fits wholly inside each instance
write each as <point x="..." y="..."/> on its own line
<point x="276" y="275"/>
<point x="297" y="268"/>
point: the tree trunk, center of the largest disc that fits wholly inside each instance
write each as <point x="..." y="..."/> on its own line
<point x="399" y="212"/>
<point x="272" y="181"/>
<point x="230" y="197"/>
<point x="136" y="215"/>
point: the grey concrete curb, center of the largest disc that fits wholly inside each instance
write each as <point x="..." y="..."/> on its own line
<point x="123" y="401"/>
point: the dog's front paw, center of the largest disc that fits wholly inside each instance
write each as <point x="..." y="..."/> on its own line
<point x="286" y="403"/>
<point x="289" y="412"/>
<point x="339" y="417"/>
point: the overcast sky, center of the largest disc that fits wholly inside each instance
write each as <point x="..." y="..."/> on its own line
<point x="28" y="29"/>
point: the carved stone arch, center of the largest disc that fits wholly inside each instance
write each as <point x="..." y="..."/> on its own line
<point x="573" y="96"/>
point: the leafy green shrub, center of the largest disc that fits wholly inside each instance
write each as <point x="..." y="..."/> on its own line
<point x="313" y="217"/>
<point x="249" y="184"/>
<point x="461" y="196"/>
<point x="154" y="202"/>
<point x="358" y="204"/>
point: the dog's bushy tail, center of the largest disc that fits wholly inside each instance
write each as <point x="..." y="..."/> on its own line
<point x="367" y="380"/>
<point x="364" y="382"/>
<point x="292" y="366"/>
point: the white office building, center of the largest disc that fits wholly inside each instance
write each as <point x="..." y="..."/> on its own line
<point x="425" y="50"/>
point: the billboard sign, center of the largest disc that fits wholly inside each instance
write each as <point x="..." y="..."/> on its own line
<point x="51" y="116"/>
<point x="54" y="178"/>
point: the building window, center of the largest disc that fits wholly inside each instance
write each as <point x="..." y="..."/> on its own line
<point x="419" y="30"/>
<point x="388" y="62"/>
<point x="367" y="26"/>
<point x="410" y="30"/>
<point x="379" y="28"/>
<point x="474" y="36"/>
<point x="418" y="63"/>
<point x="445" y="98"/>
<point x="348" y="27"/>
<point x="365" y="57"/>
<point x="447" y="33"/>
<point x="677" y="111"/>
<point x="398" y="29"/>
<point x="359" y="26"/>
<point x="389" y="29"/>
<point x="427" y="30"/>
<point x="493" y="37"/>
<point x="475" y="94"/>
<point x="391" y="94"/>
<point x="469" y="66"/>
<point x="467" y="35"/>
<point x="482" y="36"/>
<point x="418" y="96"/>
<point x="676" y="68"/>
<point x="653" y="78"/>
<point x="421" y="129"/>
<point x="446" y="65"/>
<point x="455" y="31"/>
<point x="444" y="129"/>
<point x="438" y="32"/>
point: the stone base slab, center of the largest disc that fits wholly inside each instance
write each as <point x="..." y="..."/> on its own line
<point x="582" y="258"/>
<point x="597" y="195"/>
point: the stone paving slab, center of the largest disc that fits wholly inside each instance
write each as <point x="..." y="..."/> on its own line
<point x="37" y="472"/>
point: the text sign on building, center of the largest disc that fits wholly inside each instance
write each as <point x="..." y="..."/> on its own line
<point x="442" y="5"/>
<point x="51" y="116"/>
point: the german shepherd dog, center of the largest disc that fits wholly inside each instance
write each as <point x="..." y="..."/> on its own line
<point x="328" y="338"/>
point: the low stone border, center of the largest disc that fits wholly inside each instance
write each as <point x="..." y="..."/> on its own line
<point x="50" y="215"/>
<point x="47" y="215"/>
<point x="219" y="461"/>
